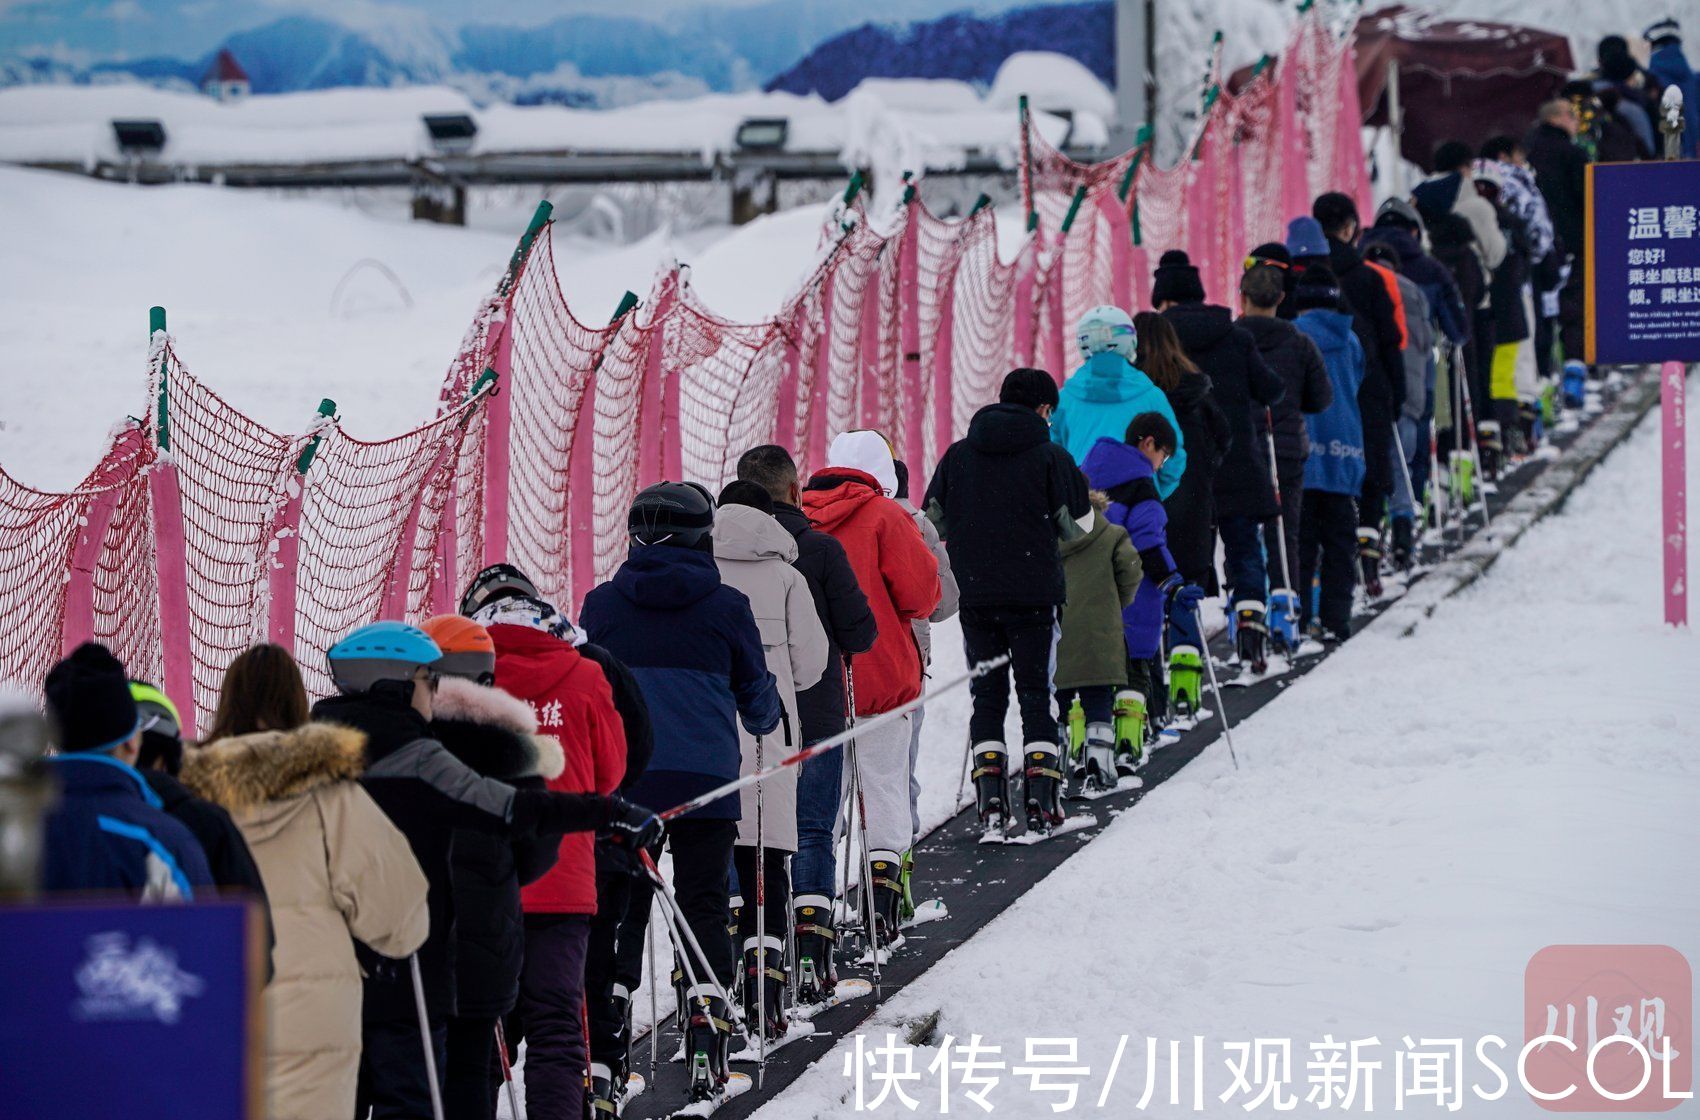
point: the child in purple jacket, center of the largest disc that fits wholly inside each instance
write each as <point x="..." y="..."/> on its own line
<point x="1126" y="472"/>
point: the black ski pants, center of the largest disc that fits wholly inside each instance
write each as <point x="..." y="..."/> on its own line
<point x="702" y="861"/>
<point x="1028" y="635"/>
<point x="1328" y="543"/>
<point x="609" y="929"/>
<point x="393" y="1084"/>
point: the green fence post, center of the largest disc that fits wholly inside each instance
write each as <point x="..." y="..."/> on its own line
<point x="980" y="203"/>
<point x="1074" y="207"/>
<point x="1027" y="160"/>
<point x="627" y="302"/>
<point x="162" y="428"/>
<point x="539" y="219"/>
<point x="327" y="407"/>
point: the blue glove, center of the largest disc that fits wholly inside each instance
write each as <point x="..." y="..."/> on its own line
<point x="1179" y="593"/>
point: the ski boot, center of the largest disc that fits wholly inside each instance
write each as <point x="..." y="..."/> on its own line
<point x="1491" y="448"/>
<point x="605" y="1091"/>
<point x="1574" y="387"/>
<point x="1369" y="559"/>
<point x="1043" y="786"/>
<point x="1129" y="733"/>
<point x="765" y="984"/>
<point x="1100" y="756"/>
<point x="1282" y="618"/>
<point x="681" y="1006"/>
<point x="991" y="789"/>
<point x="708" y="1035"/>
<point x="1076" y="731"/>
<point x="817" y="974"/>
<point x="1404" y="543"/>
<point x="1463" y="479"/>
<point x="1250" y="636"/>
<point x="887" y="870"/>
<point x="1530" y="425"/>
<point x="1186" y="679"/>
<point x="734" y="925"/>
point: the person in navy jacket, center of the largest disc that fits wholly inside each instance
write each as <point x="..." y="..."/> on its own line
<point x="693" y="645"/>
<point x="109" y="831"/>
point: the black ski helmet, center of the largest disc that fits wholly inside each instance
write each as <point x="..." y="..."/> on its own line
<point x="675" y="513"/>
<point x="498" y="581"/>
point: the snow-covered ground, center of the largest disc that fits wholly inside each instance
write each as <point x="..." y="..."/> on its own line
<point x="1410" y="824"/>
<point x="276" y="303"/>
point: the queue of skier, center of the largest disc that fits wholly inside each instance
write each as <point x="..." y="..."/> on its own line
<point x="458" y="851"/>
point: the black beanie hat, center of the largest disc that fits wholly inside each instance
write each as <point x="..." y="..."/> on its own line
<point x="1176" y="280"/>
<point x="1316" y="288"/>
<point x="88" y="693"/>
<point x="741" y="493"/>
<point x="1271" y="251"/>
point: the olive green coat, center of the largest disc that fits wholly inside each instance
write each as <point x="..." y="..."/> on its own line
<point x="1103" y="573"/>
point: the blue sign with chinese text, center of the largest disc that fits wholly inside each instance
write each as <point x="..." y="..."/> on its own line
<point x="1643" y="297"/>
<point x="139" y="1012"/>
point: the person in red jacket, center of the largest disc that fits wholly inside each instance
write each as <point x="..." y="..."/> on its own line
<point x="536" y="661"/>
<point x="852" y="500"/>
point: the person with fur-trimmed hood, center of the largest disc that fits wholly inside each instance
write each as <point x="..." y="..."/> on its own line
<point x="496" y="735"/>
<point x="337" y="871"/>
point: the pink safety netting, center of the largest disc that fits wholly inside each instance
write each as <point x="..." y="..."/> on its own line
<point x="202" y="532"/>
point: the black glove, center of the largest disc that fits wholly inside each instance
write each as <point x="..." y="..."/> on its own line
<point x="550" y="813"/>
<point x="628" y="830"/>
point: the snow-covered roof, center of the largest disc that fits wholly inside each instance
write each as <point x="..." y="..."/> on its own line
<point x="945" y="119"/>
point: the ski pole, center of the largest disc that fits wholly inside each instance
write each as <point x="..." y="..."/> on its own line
<point x="1476" y="455"/>
<point x="1210" y="664"/>
<point x="425" y="1037"/>
<point x="1405" y="472"/>
<point x="686" y="936"/>
<point x="1435" y="496"/>
<point x="835" y="741"/>
<point x="967" y="764"/>
<point x="507" y="1070"/>
<point x="761" y="931"/>
<point x="649" y="939"/>
<point x="870" y="926"/>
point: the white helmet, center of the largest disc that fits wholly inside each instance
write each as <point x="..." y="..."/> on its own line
<point x="1106" y="328"/>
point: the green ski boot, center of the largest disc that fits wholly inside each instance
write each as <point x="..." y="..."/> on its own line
<point x="1077" y="739"/>
<point x="906" y="908"/>
<point x="1129" y="731"/>
<point x="1186" y="682"/>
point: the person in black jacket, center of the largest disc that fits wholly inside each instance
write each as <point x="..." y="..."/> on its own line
<point x="1292" y="355"/>
<point x="160" y="760"/>
<point x="1561" y="172"/>
<point x="1002" y="498"/>
<point x="1382" y="393"/>
<point x="495" y="735"/>
<point x="386" y="676"/>
<point x="1244" y="488"/>
<point x="850" y="629"/>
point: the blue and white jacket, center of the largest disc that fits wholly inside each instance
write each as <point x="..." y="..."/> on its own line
<point x="109" y="833"/>
<point x="1336" y="463"/>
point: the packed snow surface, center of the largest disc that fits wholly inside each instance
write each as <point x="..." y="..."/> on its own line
<point x="1410" y="823"/>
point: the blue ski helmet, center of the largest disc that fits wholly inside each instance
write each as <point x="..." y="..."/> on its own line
<point x="1106" y="328"/>
<point x="380" y="651"/>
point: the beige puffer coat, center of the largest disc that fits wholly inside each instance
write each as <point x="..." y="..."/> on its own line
<point x="754" y="553"/>
<point x="335" y="869"/>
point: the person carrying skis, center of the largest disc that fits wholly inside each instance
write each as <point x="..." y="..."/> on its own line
<point x="1003" y="498"/>
<point x="1108" y="390"/>
<point x="851" y="498"/>
<point x="1125" y="471"/>
<point x="1334" y="473"/>
<point x="693" y="644"/>
<point x="850" y="630"/>
<point x="754" y="554"/>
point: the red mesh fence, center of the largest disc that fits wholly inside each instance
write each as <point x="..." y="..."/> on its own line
<point x="202" y="533"/>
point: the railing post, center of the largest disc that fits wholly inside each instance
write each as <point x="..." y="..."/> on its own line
<point x="285" y="539"/>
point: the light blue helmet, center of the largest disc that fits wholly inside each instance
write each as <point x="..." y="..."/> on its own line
<point x="1106" y="328"/>
<point x="380" y="651"/>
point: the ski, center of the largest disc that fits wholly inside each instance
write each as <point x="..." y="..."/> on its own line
<point x="929" y="911"/>
<point x="844" y="992"/>
<point x="1124" y="784"/>
<point x="737" y="1084"/>
<point x="798" y="1029"/>
<point x="1063" y="828"/>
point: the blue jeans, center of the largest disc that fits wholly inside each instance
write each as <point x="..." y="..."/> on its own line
<point x="1242" y="558"/>
<point x="813" y="868"/>
<point x="1183" y="629"/>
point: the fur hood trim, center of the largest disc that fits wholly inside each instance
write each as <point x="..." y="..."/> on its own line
<point x="249" y="770"/>
<point x="551" y="758"/>
<point x="469" y="702"/>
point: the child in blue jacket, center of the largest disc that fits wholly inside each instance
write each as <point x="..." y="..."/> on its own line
<point x="1334" y="473"/>
<point x="1126" y="472"/>
<point x="1101" y="397"/>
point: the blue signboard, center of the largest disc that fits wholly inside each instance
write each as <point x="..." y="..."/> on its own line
<point x="139" y="1012"/>
<point x="1643" y="282"/>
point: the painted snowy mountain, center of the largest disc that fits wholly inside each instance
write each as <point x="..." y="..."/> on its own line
<point x="962" y="45"/>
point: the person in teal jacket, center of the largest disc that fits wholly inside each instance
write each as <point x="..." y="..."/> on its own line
<point x="1108" y="390"/>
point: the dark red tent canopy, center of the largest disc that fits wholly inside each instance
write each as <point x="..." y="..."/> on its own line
<point x="1459" y="79"/>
